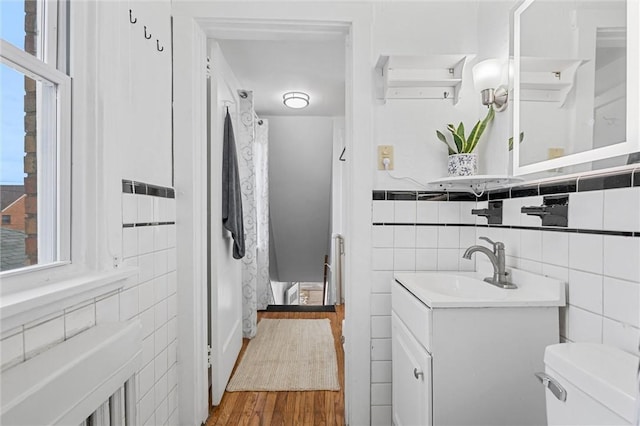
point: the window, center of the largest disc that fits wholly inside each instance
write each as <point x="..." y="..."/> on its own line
<point x="6" y="219"/>
<point x="34" y="133"/>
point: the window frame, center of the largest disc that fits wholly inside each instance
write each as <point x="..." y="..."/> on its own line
<point x="92" y="264"/>
<point x="57" y="112"/>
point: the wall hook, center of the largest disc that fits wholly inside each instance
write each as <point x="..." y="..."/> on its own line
<point x="342" y="154"/>
<point x="145" y="33"/>
<point x="160" y="49"/>
<point x="131" y="18"/>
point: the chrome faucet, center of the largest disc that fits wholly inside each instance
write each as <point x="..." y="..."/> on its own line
<point x="500" y="276"/>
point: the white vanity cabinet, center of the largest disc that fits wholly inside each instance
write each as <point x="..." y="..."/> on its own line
<point x="467" y="365"/>
<point x="411" y="377"/>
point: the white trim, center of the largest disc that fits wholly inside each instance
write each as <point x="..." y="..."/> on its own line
<point x="190" y="139"/>
<point x="29" y="64"/>
<point x="54" y="124"/>
<point x="50" y="24"/>
<point x="632" y="144"/>
<point x="358" y="134"/>
<point x="21" y="307"/>
<point x="65" y="384"/>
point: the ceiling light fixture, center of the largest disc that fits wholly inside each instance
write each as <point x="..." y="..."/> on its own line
<point x="295" y="100"/>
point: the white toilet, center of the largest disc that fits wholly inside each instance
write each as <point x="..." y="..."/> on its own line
<point x="589" y="384"/>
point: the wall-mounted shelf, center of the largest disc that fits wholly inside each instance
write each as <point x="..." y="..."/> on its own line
<point x="476" y="184"/>
<point x="547" y="79"/>
<point x="420" y="77"/>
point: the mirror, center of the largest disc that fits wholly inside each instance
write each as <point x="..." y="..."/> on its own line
<point x="575" y="85"/>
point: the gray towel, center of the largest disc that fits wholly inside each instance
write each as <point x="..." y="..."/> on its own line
<point x="231" y="195"/>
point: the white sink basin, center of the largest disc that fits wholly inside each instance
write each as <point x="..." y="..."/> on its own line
<point x="467" y="289"/>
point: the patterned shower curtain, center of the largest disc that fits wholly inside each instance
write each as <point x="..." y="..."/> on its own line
<point x="252" y="143"/>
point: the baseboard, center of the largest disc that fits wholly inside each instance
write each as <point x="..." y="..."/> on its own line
<point x="300" y="308"/>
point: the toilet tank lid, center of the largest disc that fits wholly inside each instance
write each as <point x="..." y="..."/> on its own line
<point x="607" y="374"/>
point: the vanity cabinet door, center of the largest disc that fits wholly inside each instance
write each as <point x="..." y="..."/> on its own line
<point x="411" y="367"/>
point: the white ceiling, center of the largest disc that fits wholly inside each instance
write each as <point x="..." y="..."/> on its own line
<point x="272" y="67"/>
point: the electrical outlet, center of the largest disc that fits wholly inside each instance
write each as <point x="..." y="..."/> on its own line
<point x="385" y="151"/>
<point x="555" y="153"/>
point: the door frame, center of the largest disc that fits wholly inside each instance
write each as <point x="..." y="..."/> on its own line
<point x="189" y="78"/>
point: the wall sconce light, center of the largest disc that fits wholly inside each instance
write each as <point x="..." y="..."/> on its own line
<point x="489" y="78"/>
<point x="295" y="100"/>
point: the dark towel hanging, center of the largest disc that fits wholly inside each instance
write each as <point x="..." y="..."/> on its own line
<point x="231" y="195"/>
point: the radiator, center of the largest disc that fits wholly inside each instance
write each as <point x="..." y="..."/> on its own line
<point x="86" y="380"/>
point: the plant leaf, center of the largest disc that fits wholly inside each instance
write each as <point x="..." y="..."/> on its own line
<point x="478" y="130"/>
<point x="456" y="138"/>
<point x="443" y="138"/>
<point x="473" y="137"/>
<point x="459" y="142"/>
<point x="460" y="132"/>
<point x="511" y="140"/>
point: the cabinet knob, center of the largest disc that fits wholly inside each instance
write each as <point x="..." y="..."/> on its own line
<point x="417" y="373"/>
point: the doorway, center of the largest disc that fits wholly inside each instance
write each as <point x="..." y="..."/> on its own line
<point x="190" y="33"/>
<point x="247" y="80"/>
<point x="303" y="155"/>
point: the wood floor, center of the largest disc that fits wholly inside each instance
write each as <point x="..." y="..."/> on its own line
<point x="286" y="408"/>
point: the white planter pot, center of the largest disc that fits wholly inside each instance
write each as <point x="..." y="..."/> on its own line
<point x="463" y="165"/>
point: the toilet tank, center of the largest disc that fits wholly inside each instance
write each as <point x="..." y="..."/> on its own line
<point x="599" y="382"/>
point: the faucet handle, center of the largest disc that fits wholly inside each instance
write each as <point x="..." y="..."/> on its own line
<point x="496" y="245"/>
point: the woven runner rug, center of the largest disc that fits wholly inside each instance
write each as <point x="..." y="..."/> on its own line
<point x="288" y="355"/>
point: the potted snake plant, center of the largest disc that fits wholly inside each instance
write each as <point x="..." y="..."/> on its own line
<point x="462" y="160"/>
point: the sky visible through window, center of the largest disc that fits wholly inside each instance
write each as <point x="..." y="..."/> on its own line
<point x="12" y="97"/>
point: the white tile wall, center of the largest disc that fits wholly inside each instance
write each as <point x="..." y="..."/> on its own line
<point x="382" y="236"/>
<point x="403" y="236"/>
<point x="585" y="291"/>
<point x="622" y="301"/>
<point x="448" y="212"/>
<point x="383" y="211"/>
<point x="449" y="237"/>
<point x="584" y="326"/>
<point x="586" y="210"/>
<point x="381" y="394"/>
<point x="12" y="350"/>
<point x="381" y="415"/>
<point x="40" y="337"/>
<point x="80" y="318"/>
<point x="585" y="252"/>
<point x="381" y="349"/>
<point x="427" y="236"/>
<point x="427" y="212"/>
<point x="621" y="257"/>
<point x="404" y="211"/>
<point x="381" y="372"/>
<point x="621" y="207"/>
<point x="151" y="297"/>
<point x="555" y="247"/>
<point x="153" y="300"/>
<point x="408" y="248"/>
<point x="602" y="272"/>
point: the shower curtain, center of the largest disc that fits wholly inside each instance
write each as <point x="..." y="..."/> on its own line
<point x="253" y="164"/>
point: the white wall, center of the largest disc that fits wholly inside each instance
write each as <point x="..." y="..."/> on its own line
<point x="128" y="109"/>
<point x="411" y="28"/>
<point x="601" y="271"/>
<point x="395" y="28"/>
<point x="300" y="150"/>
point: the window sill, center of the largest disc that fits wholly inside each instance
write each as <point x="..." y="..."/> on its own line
<point x="23" y="306"/>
